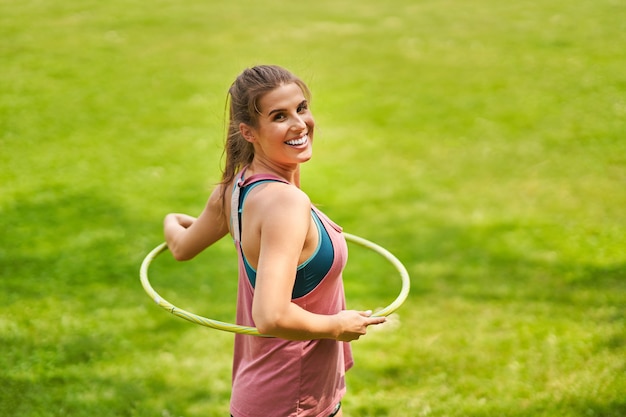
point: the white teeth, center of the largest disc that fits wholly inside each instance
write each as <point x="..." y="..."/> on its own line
<point x="297" y="142"/>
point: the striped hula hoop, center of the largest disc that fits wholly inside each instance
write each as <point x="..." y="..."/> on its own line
<point x="235" y="328"/>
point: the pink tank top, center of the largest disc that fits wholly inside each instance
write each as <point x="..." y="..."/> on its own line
<point x="282" y="378"/>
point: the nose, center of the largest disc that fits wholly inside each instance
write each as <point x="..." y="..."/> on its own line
<point x="298" y="122"/>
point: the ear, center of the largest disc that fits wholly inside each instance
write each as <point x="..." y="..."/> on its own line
<point x="247" y="132"/>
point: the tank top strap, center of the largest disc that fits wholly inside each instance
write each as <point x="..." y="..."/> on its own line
<point x="262" y="177"/>
<point x="235" y="204"/>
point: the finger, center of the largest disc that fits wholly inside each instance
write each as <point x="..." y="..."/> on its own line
<point x="376" y="320"/>
<point x="366" y="313"/>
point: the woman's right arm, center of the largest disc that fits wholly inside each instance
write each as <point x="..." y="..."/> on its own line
<point x="187" y="236"/>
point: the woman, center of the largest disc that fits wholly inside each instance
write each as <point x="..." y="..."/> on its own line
<point x="290" y="255"/>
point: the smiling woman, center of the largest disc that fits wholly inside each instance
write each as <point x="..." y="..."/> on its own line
<point x="283" y="119"/>
<point x="291" y="256"/>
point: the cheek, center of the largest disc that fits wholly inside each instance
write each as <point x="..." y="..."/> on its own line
<point x="310" y="122"/>
<point x="273" y="132"/>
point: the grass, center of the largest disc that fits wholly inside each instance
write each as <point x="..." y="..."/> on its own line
<point x="481" y="143"/>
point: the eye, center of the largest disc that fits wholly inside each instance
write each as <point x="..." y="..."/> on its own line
<point x="278" y="117"/>
<point x="304" y="106"/>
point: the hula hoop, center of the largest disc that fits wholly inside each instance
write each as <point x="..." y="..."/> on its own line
<point x="235" y="328"/>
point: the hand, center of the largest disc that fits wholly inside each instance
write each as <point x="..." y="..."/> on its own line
<point x="179" y="219"/>
<point x="176" y="228"/>
<point x="353" y="324"/>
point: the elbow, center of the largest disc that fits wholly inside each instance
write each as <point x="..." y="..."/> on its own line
<point x="264" y="330"/>
<point x="182" y="257"/>
<point x="265" y="326"/>
<point x="179" y="253"/>
<point x="266" y="322"/>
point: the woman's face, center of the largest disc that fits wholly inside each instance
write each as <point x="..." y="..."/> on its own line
<point x="284" y="132"/>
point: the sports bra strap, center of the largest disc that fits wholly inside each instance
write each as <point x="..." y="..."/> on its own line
<point x="261" y="177"/>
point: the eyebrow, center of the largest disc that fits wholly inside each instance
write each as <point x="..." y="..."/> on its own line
<point x="276" y="111"/>
<point x="284" y="110"/>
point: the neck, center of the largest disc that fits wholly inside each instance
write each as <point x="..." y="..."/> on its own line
<point x="290" y="173"/>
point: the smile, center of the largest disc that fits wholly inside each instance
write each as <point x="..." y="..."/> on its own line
<point x="297" y="142"/>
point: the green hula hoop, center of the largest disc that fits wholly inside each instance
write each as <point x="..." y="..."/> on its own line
<point x="235" y="328"/>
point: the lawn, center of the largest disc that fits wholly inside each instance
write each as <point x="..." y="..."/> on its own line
<point x="483" y="143"/>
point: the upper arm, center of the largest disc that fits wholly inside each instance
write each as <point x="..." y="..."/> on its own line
<point x="283" y="223"/>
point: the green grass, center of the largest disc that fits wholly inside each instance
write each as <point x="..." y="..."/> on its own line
<point x="482" y="143"/>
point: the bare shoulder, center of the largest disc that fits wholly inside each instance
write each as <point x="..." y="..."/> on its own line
<point x="215" y="204"/>
<point x="216" y="195"/>
<point x="278" y="199"/>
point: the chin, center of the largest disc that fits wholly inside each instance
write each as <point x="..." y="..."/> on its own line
<point x="306" y="157"/>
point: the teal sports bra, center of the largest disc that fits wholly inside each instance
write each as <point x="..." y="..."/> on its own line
<point x="310" y="272"/>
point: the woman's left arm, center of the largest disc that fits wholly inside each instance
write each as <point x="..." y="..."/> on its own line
<point x="284" y="220"/>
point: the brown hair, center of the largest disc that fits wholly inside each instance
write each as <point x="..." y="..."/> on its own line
<point x="243" y="96"/>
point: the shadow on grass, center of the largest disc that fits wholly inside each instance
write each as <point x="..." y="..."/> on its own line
<point x="507" y="262"/>
<point x="582" y="407"/>
<point x="497" y="310"/>
<point x="79" y="395"/>
<point x="58" y="241"/>
<point x="81" y="251"/>
<point x="73" y="310"/>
